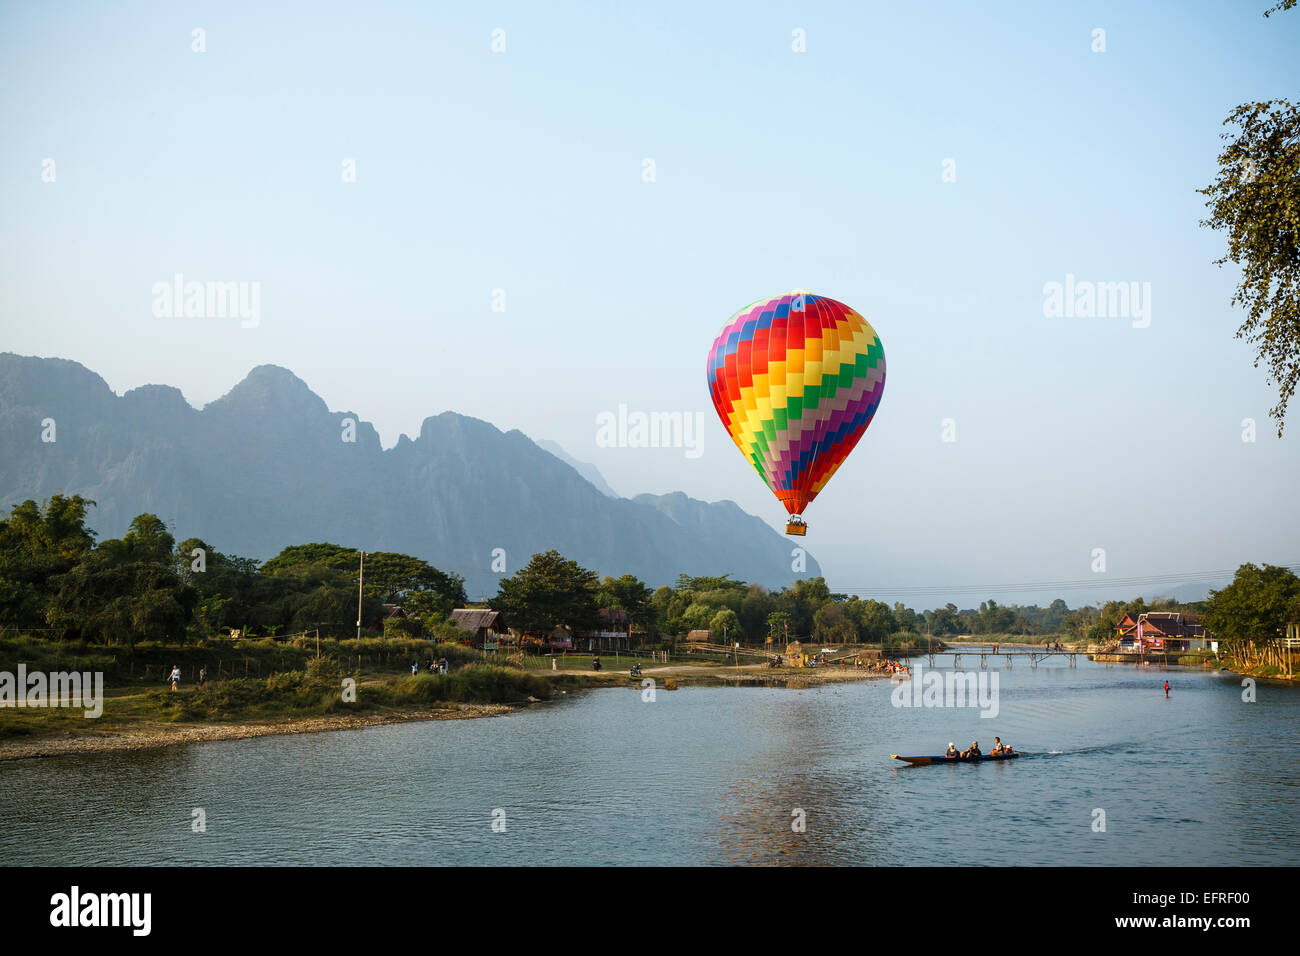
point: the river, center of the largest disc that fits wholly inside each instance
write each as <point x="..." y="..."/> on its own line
<point x="706" y="775"/>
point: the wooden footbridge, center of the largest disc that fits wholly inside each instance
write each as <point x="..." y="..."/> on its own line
<point x="845" y="653"/>
<point x="985" y="654"/>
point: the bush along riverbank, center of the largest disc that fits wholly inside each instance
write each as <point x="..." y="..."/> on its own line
<point x="149" y="664"/>
<point x="324" y="688"/>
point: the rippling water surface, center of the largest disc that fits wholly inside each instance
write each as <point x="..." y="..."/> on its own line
<point x="710" y="776"/>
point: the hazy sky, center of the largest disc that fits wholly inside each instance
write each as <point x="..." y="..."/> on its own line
<point x="525" y="171"/>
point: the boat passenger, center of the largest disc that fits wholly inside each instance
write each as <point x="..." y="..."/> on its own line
<point x="952" y="751"/>
<point x="997" y="746"/>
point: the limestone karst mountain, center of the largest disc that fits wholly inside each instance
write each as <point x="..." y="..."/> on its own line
<point x="265" y="466"/>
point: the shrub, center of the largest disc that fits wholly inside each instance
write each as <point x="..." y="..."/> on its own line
<point x="400" y="627"/>
<point x="477" y="683"/>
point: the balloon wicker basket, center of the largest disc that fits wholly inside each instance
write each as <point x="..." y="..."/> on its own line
<point x="796" y="527"/>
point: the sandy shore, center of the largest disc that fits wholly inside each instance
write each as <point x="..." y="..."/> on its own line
<point x="148" y="736"/>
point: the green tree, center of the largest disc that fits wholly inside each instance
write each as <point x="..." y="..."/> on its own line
<point x="37" y="544"/>
<point x="908" y="620"/>
<point x="755" y="607"/>
<point x="394" y="577"/>
<point x="1255" y="606"/>
<point x="832" y="625"/>
<point x="698" y="616"/>
<point x="724" y="583"/>
<point x="943" y="620"/>
<point x="778" y="628"/>
<point x="1256" y="200"/>
<point x="1052" y="618"/>
<point x="631" y="594"/>
<point x="725" y="625"/>
<point x="1077" y="623"/>
<point x="389" y="578"/>
<point x="876" y="622"/>
<point x="994" y="618"/>
<point x="298" y="556"/>
<point x="126" y="589"/>
<point x="549" y="591"/>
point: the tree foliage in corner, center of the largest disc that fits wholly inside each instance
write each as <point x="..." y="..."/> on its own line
<point x="1256" y="199"/>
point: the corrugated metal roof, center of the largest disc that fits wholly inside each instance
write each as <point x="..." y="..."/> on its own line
<point x="1171" y="624"/>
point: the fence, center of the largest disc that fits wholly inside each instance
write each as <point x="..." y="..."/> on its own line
<point x="1281" y="654"/>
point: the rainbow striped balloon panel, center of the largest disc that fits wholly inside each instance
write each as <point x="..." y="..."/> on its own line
<point x="796" y="380"/>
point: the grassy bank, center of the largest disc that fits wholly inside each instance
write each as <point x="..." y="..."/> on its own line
<point x="149" y="664"/>
<point x="1262" y="671"/>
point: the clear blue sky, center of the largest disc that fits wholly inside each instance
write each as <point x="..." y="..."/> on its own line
<point x="774" y="170"/>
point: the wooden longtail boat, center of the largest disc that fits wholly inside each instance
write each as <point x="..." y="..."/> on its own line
<point x="925" y="761"/>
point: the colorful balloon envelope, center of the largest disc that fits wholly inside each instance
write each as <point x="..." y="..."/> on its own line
<point x="796" y="380"/>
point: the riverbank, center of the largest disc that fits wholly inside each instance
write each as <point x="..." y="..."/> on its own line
<point x="1177" y="658"/>
<point x="321" y="697"/>
<point x="1264" y="672"/>
<point x="146" y="736"/>
<point x="156" y="718"/>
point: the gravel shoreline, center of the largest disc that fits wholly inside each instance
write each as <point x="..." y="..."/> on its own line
<point x="149" y="736"/>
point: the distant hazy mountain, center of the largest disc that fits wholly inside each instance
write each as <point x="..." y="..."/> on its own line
<point x="1191" y="592"/>
<point x="584" y="468"/>
<point x="267" y="465"/>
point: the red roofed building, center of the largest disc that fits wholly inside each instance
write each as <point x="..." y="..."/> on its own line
<point x="1169" y="631"/>
<point x="1126" y="629"/>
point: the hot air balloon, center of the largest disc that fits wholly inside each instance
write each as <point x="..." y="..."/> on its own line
<point x="796" y="380"/>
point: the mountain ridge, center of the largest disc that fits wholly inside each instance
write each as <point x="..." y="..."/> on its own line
<point x="269" y="464"/>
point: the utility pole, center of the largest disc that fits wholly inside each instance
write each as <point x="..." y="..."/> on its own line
<point x="360" y="581"/>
